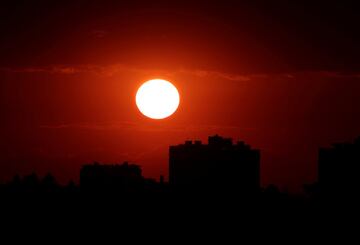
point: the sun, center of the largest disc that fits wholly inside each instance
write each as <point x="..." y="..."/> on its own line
<point x="157" y="99"/>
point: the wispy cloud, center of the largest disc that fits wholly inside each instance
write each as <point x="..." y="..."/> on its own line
<point x="99" y="33"/>
<point x="92" y="125"/>
<point x="141" y="127"/>
<point x="112" y="70"/>
<point x="216" y="74"/>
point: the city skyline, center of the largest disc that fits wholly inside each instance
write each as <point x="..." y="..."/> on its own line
<point x="221" y="166"/>
<point x="281" y="76"/>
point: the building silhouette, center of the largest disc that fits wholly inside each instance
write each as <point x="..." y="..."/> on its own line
<point x="338" y="169"/>
<point x="116" y="177"/>
<point x="220" y="164"/>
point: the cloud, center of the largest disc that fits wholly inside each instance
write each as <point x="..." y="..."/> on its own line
<point x="58" y="69"/>
<point x="217" y="74"/>
<point x="108" y="70"/>
<point x="92" y="125"/>
<point x="99" y="33"/>
<point x="126" y="125"/>
<point x="112" y="70"/>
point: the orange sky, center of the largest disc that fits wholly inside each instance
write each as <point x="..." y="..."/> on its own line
<point x="282" y="77"/>
<point x="60" y="118"/>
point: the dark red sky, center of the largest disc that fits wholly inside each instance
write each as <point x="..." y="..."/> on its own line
<point x="282" y="76"/>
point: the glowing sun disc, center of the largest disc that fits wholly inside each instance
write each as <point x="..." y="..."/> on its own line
<point x="157" y="98"/>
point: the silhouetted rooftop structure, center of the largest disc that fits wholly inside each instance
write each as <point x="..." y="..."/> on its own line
<point x="338" y="168"/>
<point x="120" y="177"/>
<point x="218" y="164"/>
